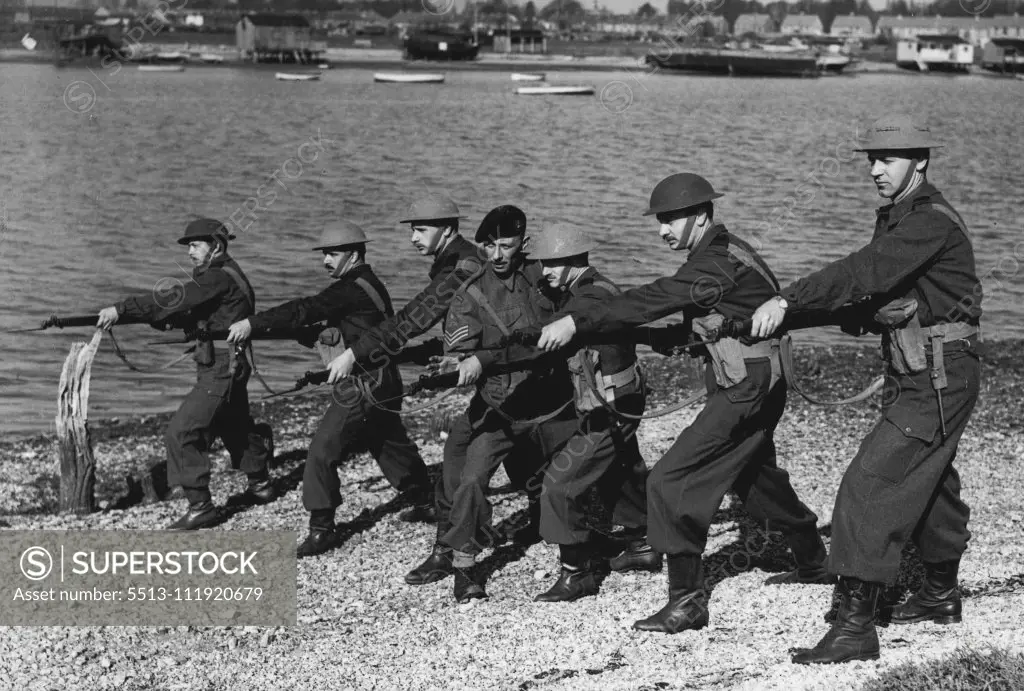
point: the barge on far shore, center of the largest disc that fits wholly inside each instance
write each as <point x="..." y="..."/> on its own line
<point x="759" y="63"/>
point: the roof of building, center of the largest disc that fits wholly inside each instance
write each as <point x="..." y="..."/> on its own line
<point x="851" y="21"/>
<point x="960" y="23"/>
<point x="1007" y="42"/>
<point x="940" y="38"/>
<point x="267" y="19"/>
<point x="801" y="21"/>
<point x="756" y="22"/>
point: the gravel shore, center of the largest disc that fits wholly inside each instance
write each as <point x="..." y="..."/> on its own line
<point x="361" y="627"/>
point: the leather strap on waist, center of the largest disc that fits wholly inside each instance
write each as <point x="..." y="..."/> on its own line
<point x="952" y="331"/>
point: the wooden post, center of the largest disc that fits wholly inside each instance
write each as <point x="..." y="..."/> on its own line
<point x="77" y="464"/>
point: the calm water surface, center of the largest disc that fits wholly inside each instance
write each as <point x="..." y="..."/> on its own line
<point x="94" y="200"/>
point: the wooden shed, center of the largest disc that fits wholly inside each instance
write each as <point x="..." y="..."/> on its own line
<point x="277" y="38"/>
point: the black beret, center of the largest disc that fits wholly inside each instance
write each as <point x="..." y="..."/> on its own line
<point x="505" y="221"/>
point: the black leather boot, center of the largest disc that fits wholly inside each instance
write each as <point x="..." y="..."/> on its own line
<point x="528" y="534"/>
<point x="436" y="567"/>
<point x="853" y="635"/>
<point x="202" y="514"/>
<point x="687" y="606"/>
<point x="261" y="490"/>
<point x="322" y="534"/>
<point x="579" y="576"/>
<point x="809" y="553"/>
<point x="938" y="598"/>
<point x="468" y="585"/>
<point x="422" y="510"/>
<point x="318" y="541"/>
<point x="638" y="556"/>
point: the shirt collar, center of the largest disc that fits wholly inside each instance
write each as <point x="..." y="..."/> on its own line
<point x="903" y="207"/>
<point x="453" y="249"/>
<point x="713" y="232"/>
<point x="588" y="272"/>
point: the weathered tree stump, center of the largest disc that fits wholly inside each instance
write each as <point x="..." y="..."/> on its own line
<point x="77" y="464"/>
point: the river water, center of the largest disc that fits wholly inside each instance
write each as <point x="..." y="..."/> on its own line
<point x="102" y="168"/>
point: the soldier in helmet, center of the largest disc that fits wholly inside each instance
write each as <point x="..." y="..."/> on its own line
<point x="603" y="451"/>
<point x="521" y="417"/>
<point x="218" y="405"/>
<point x="354" y="303"/>
<point x="919" y="270"/>
<point x="730" y="444"/>
<point x="434" y="221"/>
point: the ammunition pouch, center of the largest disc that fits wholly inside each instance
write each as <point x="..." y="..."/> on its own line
<point x="203" y="354"/>
<point x="728" y="355"/>
<point x="330" y="344"/>
<point x="903" y="339"/>
<point x="589" y="383"/>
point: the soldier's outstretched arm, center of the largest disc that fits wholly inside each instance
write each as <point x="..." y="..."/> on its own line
<point x="337" y="298"/>
<point x="877" y="268"/>
<point x="420" y="314"/>
<point x="198" y="291"/>
<point x="700" y="282"/>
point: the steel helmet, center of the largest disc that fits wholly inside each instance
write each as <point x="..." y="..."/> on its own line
<point x="895" y="132"/>
<point x="339" y="234"/>
<point x="205" y="229"/>
<point x="560" y="241"/>
<point x="680" y="191"/>
<point x="434" y="207"/>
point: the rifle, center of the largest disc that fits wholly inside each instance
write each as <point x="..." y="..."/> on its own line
<point x="84" y="320"/>
<point x="306" y="335"/>
<point x="674" y="337"/>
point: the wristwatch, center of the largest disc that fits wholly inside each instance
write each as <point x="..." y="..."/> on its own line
<point x="782" y="302"/>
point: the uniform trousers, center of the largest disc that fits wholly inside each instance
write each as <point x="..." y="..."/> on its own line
<point x="902" y="484"/>
<point x="353" y="417"/>
<point x="480" y="441"/>
<point x="729" y="445"/>
<point x="603" y="451"/>
<point x="217" y="406"/>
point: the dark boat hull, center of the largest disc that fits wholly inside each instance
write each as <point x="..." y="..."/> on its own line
<point x="944" y="67"/>
<point x="737" y="63"/>
<point x="439" y="48"/>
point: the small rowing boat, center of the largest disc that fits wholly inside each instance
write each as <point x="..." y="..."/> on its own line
<point x="556" y="90"/>
<point x="161" y="68"/>
<point x="297" y="76"/>
<point x="324" y="66"/>
<point x="408" y="78"/>
<point x="211" y="58"/>
<point x="528" y="76"/>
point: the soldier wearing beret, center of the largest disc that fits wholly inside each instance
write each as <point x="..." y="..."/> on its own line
<point x="218" y="405"/>
<point x="919" y="271"/>
<point x="519" y="418"/>
<point x="362" y="407"/>
<point x="730" y="444"/>
<point x="434" y="221"/>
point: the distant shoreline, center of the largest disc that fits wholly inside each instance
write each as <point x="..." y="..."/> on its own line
<point x="370" y="58"/>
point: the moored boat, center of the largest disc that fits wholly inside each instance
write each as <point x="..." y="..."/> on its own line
<point x="297" y="76"/>
<point x="556" y="90"/>
<point x="408" y="78"/>
<point x="161" y="68"/>
<point x="528" y="76"/>
<point x="750" y="63"/>
<point x="440" y="44"/>
<point x="211" y="58"/>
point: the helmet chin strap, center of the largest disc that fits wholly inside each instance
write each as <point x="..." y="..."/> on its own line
<point x="912" y="182"/>
<point x="345" y="267"/>
<point x="684" y="240"/>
